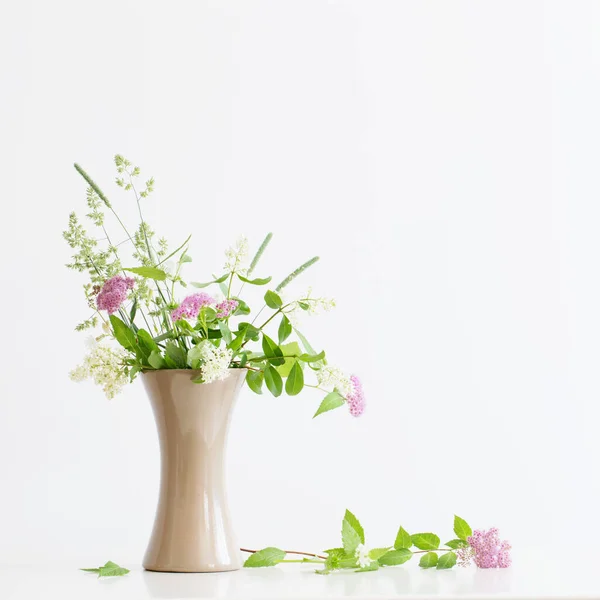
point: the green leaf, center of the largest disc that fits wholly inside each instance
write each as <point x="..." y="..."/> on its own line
<point x="226" y="332"/>
<point x="156" y="361"/>
<point x="377" y="553"/>
<point x="148" y="273"/>
<point x="146" y="342"/>
<point x="312" y="357"/>
<point x="285" y="329"/>
<point x="454" y="544"/>
<point x="203" y="285"/>
<point x="267" y="557"/>
<point x="350" y="538"/>
<point x="257" y="281"/>
<point x="428" y="560"/>
<point x="133" y="310"/>
<point x="251" y="332"/>
<point x="396" y="557"/>
<point x="255" y="379"/>
<point x="273" y="381"/>
<point x="331" y="401"/>
<point x="355" y="524"/>
<point x="110" y="569"/>
<point x="272" y="351"/>
<point x="123" y="334"/>
<point x="305" y="343"/>
<point x="273" y="300"/>
<point x="374" y="566"/>
<point x="237" y="341"/>
<point x="166" y="258"/>
<point x="446" y="561"/>
<point x="291" y="349"/>
<point x="185" y="258"/>
<point x="176" y="354"/>
<point x="426" y="541"/>
<point x="295" y="380"/>
<point x="334" y="555"/>
<point x="403" y="539"/>
<point x="207" y="314"/>
<point x="462" y="528"/>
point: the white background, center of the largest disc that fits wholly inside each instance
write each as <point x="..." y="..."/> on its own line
<point x="441" y="158"/>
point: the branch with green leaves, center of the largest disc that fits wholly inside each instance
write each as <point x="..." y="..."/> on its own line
<point x="354" y="555"/>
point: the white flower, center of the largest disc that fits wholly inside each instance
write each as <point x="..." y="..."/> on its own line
<point x="336" y="378"/>
<point x="307" y="304"/>
<point x="362" y="556"/>
<point x="236" y="256"/>
<point x="106" y="367"/>
<point x="216" y="362"/>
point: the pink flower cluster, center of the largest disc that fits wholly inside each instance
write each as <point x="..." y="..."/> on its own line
<point x="191" y="305"/>
<point x="225" y="308"/>
<point x="356" y="398"/>
<point x="114" y="293"/>
<point x="486" y="549"/>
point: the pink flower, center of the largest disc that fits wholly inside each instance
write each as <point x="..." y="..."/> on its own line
<point x="356" y="398"/>
<point x="191" y="305"/>
<point x="486" y="549"/>
<point x="225" y="308"/>
<point x="114" y="293"/>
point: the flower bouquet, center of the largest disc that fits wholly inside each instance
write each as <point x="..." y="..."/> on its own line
<point x="152" y="320"/>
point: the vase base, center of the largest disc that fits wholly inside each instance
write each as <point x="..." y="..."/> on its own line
<point x="202" y="569"/>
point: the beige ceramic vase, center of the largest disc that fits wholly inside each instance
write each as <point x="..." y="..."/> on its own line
<point x="192" y="529"/>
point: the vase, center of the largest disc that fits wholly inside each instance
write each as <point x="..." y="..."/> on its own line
<point x="192" y="528"/>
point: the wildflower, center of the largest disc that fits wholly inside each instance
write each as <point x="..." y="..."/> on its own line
<point x="336" y="378"/>
<point x="306" y="304"/>
<point x="356" y="398"/>
<point x="216" y="362"/>
<point x="191" y="305"/>
<point x="226" y="308"/>
<point x="486" y="550"/>
<point x="106" y="367"/>
<point x="114" y="293"/>
<point x="362" y="556"/>
<point x="236" y="256"/>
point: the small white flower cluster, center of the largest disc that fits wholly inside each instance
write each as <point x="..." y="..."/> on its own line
<point x="317" y="305"/>
<point x="216" y="362"/>
<point x="236" y="256"/>
<point x="362" y="556"/>
<point x="336" y="378"/>
<point x="105" y="366"/>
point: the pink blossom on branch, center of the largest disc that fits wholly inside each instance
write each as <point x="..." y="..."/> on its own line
<point x="114" y="293"/>
<point x="191" y="305"/>
<point x="225" y="308"/>
<point x="486" y="549"/>
<point x="356" y="398"/>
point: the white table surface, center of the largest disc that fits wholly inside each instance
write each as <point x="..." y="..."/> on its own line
<point x="532" y="579"/>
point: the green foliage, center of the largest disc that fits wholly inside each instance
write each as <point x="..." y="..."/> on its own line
<point x="395" y="557"/>
<point x="295" y="380"/>
<point x="176" y="354"/>
<point x="285" y="329"/>
<point x="273" y="381"/>
<point x="290" y="351"/>
<point x="403" y="539"/>
<point x="148" y="272"/>
<point x="273" y="300"/>
<point x="455" y="544"/>
<point x="331" y="401"/>
<point x="426" y="541"/>
<point x="255" y="379"/>
<point x="267" y="557"/>
<point x="217" y="280"/>
<point x="109" y="569"/>
<point x="428" y="560"/>
<point x="272" y="351"/>
<point x="461" y="528"/>
<point x="446" y="561"/>
<point x="256" y="281"/>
